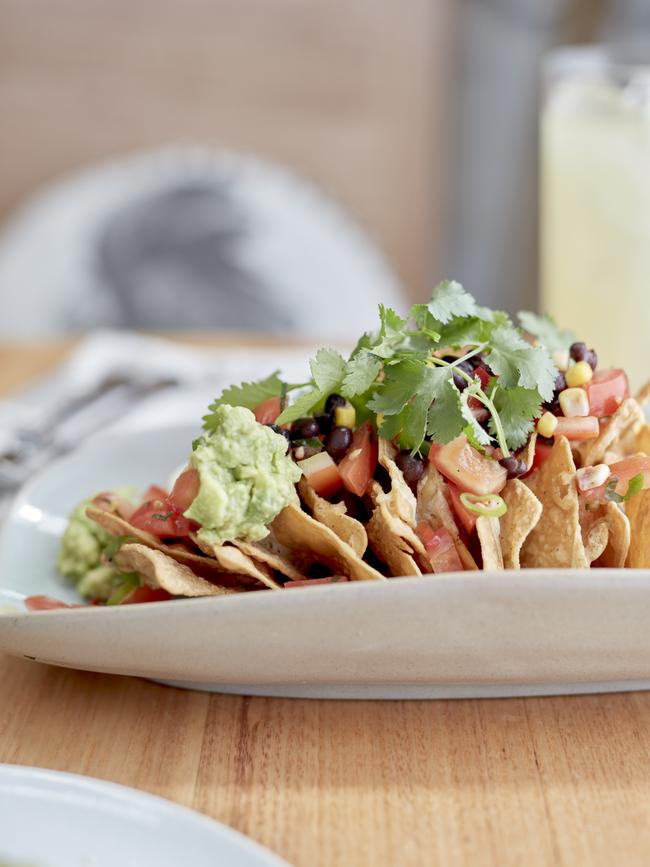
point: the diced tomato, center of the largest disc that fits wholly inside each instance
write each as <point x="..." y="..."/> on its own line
<point x="146" y="594"/>
<point x="577" y="427"/>
<point x="467" y="468"/>
<point x="607" y="391"/>
<point x="466" y="518"/>
<point x="322" y="474"/>
<point x="186" y="489"/>
<point x="307" y="582"/>
<point x="162" y="518"/>
<point x="440" y="547"/>
<point x="267" y="412"/>
<point x="358" y="466"/>
<point x="483" y="375"/>
<point x="46" y="603"/>
<point x="154" y="492"/>
<point x="624" y="471"/>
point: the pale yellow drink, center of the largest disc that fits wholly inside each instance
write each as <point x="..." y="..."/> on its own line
<point x="595" y="214"/>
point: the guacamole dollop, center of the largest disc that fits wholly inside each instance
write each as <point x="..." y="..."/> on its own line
<point x="82" y="544"/>
<point x="246" y="477"/>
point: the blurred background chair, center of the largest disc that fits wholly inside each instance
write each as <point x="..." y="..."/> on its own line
<point x="418" y="120"/>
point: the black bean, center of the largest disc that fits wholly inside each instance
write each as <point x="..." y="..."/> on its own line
<point x="591" y="358"/>
<point x="560" y="383"/>
<point x="459" y="381"/>
<point x="304" y="429"/>
<point x="513" y="466"/>
<point x="337" y="442"/>
<point x="578" y="350"/>
<point x="332" y="402"/>
<point x="554" y="407"/>
<point x="324" y="423"/>
<point x="411" y="466"/>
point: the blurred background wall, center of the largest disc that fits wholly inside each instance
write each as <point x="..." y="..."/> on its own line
<point x="419" y="118"/>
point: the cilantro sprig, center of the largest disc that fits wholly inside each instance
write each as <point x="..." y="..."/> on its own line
<point x="404" y="375"/>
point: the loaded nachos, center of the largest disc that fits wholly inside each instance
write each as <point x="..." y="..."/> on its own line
<point x="451" y="440"/>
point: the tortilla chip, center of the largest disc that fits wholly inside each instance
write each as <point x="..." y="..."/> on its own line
<point x="618" y="543"/>
<point x="271" y="555"/>
<point x="626" y="422"/>
<point x="232" y="560"/>
<point x="334" y="516"/>
<point x="401" y="499"/>
<point x="556" y="540"/>
<point x="396" y="531"/>
<point x="389" y="546"/>
<point x="524" y="512"/>
<point x="200" y="565"/>
<point x="638" y="513"/>
<point x="432" y="502"/>
<point x="160" y="570"/>
<point x="466" y="559"/>
<point x="489" y="537"/>
<point x="527" y="454"/>
<point x="643" y="394"/>
<point x="642" y="441"/>
<point x="300" y="532"/>
<point x="595" y="536"/>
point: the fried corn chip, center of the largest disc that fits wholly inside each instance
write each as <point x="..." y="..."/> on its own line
<point x="527" y="454"/>
<point x="595" y="536"/>
<point x="618" y="542"/>
<point x="200" y="565"/>
<point x="643" y="394"/>
<point x="490" y="540"/>
<point x="642" y="441"/>
<point x="524" y="512"/>
<point x="386" y="529"/>
<point x="161" y="570"/>
<point x="273" y="555"/>
<point x="638" y="513"/>
<point x="232" y="560"/>
<point x="334" y="516"/>
<point x="400" y="499"/>
<point x="300" y="532"/>
<point x="556" y="540"/>
<point x="432" y="502"/>
<point x="626" y="422"/>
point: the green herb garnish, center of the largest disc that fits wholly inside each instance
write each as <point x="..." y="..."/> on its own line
<point x="400" y="374"/>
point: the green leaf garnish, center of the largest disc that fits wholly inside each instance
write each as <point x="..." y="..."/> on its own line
<point x="516" y="362"/>
<point x="303" y="405"/>
<point x="449" y="300"/>
<point x="635" y="485"/>
<point x="543" y="327"/>
<point x="517" y="408"/>
<point x="129" y="582"/>
<point x="327" y="369"/>
<point x="362" y="371"/>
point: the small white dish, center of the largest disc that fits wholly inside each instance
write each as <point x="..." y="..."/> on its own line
<point x="53" y="819"/>
<point x="471" y="634"/>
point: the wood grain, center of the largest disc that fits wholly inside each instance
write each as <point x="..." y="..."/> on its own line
<point x="348" y="93"/>
<point x="540" y="781"/>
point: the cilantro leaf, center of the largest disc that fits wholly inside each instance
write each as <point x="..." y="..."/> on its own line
<point x="445" y="420"/>
<point x="517" y="407"/>
<point x="362" y="371"/>
<point x="401" y="383"/>
<point x="304" y="404"/>
<point x="516" y="362"/>
<point x="248" y="394"/>
<point x="478" y="434"/>
<point x="327" y="370"/>
<point x="543" y="327"/>
<point x="391" y="333"/>
<point x="449" y="300"/>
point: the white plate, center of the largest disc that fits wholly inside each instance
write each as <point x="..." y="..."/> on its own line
<point x="469" y="634"/>
<point x="52" y="819"/>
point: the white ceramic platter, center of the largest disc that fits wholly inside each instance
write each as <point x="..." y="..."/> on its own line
<point x="468" y="634"/>
<point x="52" y="819"/>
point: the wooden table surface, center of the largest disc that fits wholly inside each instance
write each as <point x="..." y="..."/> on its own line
<point x="539" y="781"/>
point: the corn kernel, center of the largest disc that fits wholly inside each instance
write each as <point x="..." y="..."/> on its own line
<point x="546" y="425"/>
<point x="579" y="374"/>
<point x="574" y="402"/>
<point x="561" y="359"/>
<point x="345" y="416"/>
<point x="592" y="477"/>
